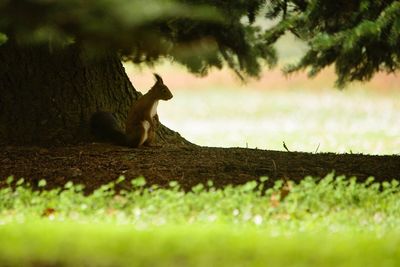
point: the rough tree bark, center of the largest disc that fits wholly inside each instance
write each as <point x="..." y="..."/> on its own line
<point x="47" y="95"/>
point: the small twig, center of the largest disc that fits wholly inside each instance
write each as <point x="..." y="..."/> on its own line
<point x="59" y="157"/>
<point x="317" y="148"/>
<point x="285" y="147"/>
<point x="285" y="6"/>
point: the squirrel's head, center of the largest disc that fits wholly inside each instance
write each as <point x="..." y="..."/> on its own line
<point x="160" y="89"/>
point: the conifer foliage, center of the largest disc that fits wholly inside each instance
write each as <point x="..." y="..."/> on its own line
<point x="359" y="37"/>
<point x="197" y="33"/>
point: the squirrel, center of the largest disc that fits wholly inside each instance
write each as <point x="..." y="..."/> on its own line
<point x="141" y="123"/>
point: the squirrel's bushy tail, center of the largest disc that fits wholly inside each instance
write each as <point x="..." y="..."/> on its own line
<point x="104" y="127"/>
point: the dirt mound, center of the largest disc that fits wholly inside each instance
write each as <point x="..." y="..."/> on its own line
<point x="96" y="164"/>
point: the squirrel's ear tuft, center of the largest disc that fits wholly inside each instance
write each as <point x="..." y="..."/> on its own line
<point x="158" y="78"/>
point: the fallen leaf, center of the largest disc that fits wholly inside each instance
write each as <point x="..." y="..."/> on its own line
<point x="47" y="212"/>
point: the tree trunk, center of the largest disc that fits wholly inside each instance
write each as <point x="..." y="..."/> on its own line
<point x="48" y="95"/>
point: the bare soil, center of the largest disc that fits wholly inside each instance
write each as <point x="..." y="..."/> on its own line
<point x="95" y="164"/>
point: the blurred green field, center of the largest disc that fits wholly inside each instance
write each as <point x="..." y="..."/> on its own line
<point x="73" y="244"/>
<point x="336" y="222"/>
<point x="328" y="120"/>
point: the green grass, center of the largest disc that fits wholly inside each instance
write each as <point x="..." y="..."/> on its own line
<point x="71" y="244"/>
<point x="336" y="222"/>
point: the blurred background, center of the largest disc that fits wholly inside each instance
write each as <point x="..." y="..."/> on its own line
<point x="309" y="115"/>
